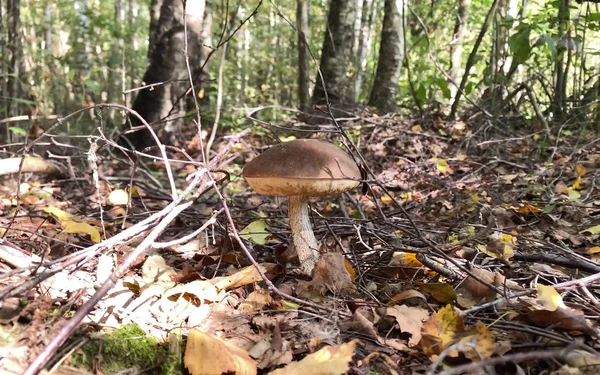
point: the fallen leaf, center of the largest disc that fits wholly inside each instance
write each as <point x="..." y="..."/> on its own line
<point x="407" y="294"/>
<point x="245" y="276"/>
<point x="256" y="301"/>
<point x="440" y="330"/>
<point x="592" y="230"/>
<point x="330" y="360"/>
<point x="441" y="292"/>
<point x="483" y="343"/>
<point x="331" y="271"/>
<point x="410" y="320"/>
<point x="256" y="232"/>
<point x="206" y="354"/>
<point x="549" y="298"/>
<point x="72" y="226"/>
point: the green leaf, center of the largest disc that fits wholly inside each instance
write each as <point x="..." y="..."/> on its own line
<point x="592" y="230"/>
<point x="256" y="232"/>
<point x="16" y="129"/>
<point x="551" y="43"/>
<point x="519" y="44"/>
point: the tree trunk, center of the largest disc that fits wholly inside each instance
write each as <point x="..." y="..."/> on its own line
<point x="456" y="48"/>
<point x="13" y="89"/>
<point x="155" y="7"/>
<point x="202" y="68"/>
<point x="167" y="67"/>
<point x="391" y="54"/>
<point x="114" y="62"/>
<point x="336" y="55"/>
<point x="364" y="44"/>
<point x="303" y="55"/>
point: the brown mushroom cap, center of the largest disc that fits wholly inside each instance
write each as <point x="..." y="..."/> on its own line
<point x="306" y="167"/>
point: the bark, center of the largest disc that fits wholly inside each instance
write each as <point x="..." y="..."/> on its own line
<point x="13" y="89"/>
<point x="303" y="55"/>
<point x="456" y="48"/>
<point x="391" y="54"/>
<point x="364" y="44"/>
<point x="167" y="66"/>
<point x="114" y="68"/>
<point x="155" y="7"/>
<point x="202" y="69"/>
<point x="336" y="55"/>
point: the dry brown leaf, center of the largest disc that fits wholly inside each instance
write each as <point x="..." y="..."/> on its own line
<point x="256" y="301"/>
<point x="209" y="355"/>
<point x="410" y="320"/>
<point x="331" y="271"/>
<point x="330" y="360"/>
<point x="407" y="294"/>
<point x="245" y="276"/>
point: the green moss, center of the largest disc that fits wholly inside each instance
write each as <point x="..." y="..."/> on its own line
<point x="125" y="348"/>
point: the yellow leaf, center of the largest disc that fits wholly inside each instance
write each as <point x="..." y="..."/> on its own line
<point x="73" y="227"/>
<point x="549" y="297"/>
<point x="402" y="259"/>
<point x="118" y="197"/>
<point x="59" y="214"/>
<point x="416" y="129"/>
<point x="256" y="232"/>
<point x="442" y="166"/>
<point x="577" y="184"/>
<point x="207" y="354"/>
<point x="386" y="199"/>
<point x="592" y="230"/>
<point x="580" y="170"/>
<point x="330" y="360"/>
<point x="484" y="343"/>
<point x="440" y="330"/>
<point x="288" y="139"/>
<point x="201" y="93"/>
<point x="461" y="157"/>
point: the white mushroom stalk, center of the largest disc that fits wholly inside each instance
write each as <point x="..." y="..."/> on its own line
<point x="303" y="236"/>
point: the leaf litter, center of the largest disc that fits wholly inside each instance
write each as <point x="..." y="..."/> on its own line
<point x="465" y="249"/>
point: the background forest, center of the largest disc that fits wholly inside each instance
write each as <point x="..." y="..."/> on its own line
<point x="133" y="241"/>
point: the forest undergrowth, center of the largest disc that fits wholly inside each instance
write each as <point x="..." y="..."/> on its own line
<point x="472" y="246"/>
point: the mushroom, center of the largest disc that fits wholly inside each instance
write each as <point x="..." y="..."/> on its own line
<point x="301" y="169"/>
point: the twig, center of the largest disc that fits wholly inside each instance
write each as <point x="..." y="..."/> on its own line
<point x="509" y="358"/>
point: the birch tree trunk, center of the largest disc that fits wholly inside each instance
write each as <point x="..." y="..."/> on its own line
<point x="364" y="44"/>
<point x="336" y="55"/>
<point x="303" y="55"/>
<point x="391" y="55"/>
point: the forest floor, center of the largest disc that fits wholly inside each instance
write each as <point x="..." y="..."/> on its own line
<point x="474" y="249"/>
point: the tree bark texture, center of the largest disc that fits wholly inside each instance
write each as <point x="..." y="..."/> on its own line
<point x="336" y="55"/>
<point x="303" y="55"/>
<point x="456" y="48"/>
<point x="13" y="89"/>
<point x="167" y="67"/>
<point x="364" y="44"/>
<point x="155" y="6"/>
<point x="391" y="54"/>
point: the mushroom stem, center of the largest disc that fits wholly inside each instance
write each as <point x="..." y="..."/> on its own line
<point x="302" y="234"/>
